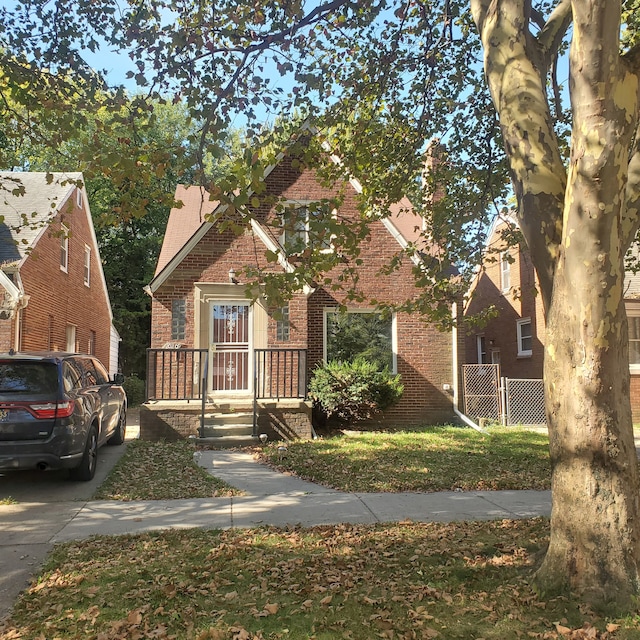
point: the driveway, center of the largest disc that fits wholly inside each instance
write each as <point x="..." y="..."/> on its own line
<point x="41" y="503"/>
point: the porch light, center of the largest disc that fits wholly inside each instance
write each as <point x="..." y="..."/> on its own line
<point x="232" y="276"/>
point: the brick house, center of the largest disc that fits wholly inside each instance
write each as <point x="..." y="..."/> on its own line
<point x="200" y="304"/>
<point x="514" y="338"/>
<point x="54" y="295"/>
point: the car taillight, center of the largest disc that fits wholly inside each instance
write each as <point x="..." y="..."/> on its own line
<point x="49" y="410"/>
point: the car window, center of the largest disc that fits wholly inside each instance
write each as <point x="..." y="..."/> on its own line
<point x="103" y="376"/>
<point x="28" y="377"/>
<point x="89" y="375"/>
<point x="71" y="376"/>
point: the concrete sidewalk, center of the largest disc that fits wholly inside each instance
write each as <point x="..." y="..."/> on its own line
<point x="29" y="529"/>
<point x="277" y="499"/>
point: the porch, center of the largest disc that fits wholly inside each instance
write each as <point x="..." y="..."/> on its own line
<point x="226" y="399"/>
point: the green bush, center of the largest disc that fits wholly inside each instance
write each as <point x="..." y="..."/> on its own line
<point x="354" y="391"/>
<point x="134" y="387"/>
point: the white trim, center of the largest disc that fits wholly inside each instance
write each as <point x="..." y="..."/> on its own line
<point x="632" y="309"/>
<point x="505" y="271"/>
<point x="64" y="248"/>
<point x="87" y="266"/>
<point x="524" y="353"/>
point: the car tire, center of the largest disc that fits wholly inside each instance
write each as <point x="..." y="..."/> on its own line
<point x="87" y="467"/>
<point x="121" y="430"/>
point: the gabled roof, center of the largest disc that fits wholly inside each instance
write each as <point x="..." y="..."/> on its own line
<point x="187" y="225"/>
<point x="184" y="221"/>
<point x="28" y="202"/>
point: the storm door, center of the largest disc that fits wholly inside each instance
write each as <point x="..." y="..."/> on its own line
<point x="230" y="346"/>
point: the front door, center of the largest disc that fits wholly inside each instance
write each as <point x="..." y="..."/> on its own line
<point x="230" y="346"/>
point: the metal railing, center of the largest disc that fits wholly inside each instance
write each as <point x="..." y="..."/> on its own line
<point x="176" y="374"/>
<point x="277" y="374"/>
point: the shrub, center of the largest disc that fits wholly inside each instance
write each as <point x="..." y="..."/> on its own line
<point x="354" y="391"/>
<point x="134" y="387"/>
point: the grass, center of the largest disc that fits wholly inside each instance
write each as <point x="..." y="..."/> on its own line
<point x="428" y="459"/>
<point x="403" y="581"/>
<point x="160" y="471"/>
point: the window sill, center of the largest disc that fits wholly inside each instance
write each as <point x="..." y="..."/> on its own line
<point x="522" y="356"/>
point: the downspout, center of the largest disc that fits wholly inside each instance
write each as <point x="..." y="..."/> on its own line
<point x="456" y="379"/>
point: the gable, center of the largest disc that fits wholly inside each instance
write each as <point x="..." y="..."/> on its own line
<point x="187" y="224"/>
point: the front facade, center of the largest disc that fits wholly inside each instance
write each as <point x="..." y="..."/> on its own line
<point x="200" y="301"/>
<point x="54" y="295"/>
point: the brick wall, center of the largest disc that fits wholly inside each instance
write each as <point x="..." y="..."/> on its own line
<point x="57" y="299"/>
<point x="424" y="355"/>
<point x="520" y="301"/>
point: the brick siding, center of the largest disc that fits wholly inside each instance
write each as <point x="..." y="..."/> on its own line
<point x="57" y="299"/>
<point x="424" y="354"/>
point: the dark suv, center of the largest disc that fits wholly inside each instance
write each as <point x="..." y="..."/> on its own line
<point x="56" y="410"/>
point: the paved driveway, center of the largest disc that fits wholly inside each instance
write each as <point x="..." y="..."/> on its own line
<point x="41" y="503"/>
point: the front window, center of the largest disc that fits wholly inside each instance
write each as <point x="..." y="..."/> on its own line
<point x="360" y="334"/>
<point x="525" y="337"/>
<point x="303" y="226"/>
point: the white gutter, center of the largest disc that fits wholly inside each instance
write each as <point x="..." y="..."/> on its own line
<point x="456" y="382"/>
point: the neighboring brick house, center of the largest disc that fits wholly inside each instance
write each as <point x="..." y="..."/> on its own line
<point x="54" y="295"/>
<point x="196" y="290"/>
<point x="515" y="337"/>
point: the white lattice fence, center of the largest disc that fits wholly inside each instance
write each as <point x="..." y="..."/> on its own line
<point x="524" y="399"/>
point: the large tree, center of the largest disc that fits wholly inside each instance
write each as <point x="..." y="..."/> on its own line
<point x="384" y="78"/>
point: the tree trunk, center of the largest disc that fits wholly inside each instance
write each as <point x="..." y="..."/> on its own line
<point x="594" y="548"/>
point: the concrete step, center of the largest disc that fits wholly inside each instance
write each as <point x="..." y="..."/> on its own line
<point x="227" y="442"/>
<point x="236" y="424"/>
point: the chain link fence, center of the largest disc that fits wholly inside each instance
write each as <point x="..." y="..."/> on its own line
<point x="481" y="391"/>
<point x="524" y="401"/>
<point x="510" y="401"/>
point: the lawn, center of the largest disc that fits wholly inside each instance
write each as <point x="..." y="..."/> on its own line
<point x="160" y="471"/>
<point x="402" y="581"/>
<point x="428" y="459"/>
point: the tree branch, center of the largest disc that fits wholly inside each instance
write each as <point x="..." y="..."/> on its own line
<point x="551" y="35"/>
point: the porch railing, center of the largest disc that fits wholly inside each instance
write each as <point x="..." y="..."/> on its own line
<point x="181" y="374"/>
<point x="278" y="374"/>
<point x="176" y="374"/>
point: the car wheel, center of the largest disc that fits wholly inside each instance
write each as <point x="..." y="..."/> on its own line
<point x="121" y="430"/>
<point x="87" y="467"/>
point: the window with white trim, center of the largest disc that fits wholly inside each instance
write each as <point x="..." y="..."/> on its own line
<point x="633" y="321"/>
<point x="71" y="338"/>
<point x="505" y="271"/>
<point x="79" y="198"/>
<point x="360" y="333"/>
<point x="64" y="248"/>
<point x="302" y="227"/>
<point x="525" y="337"/>
<point x="87" y="265"/>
